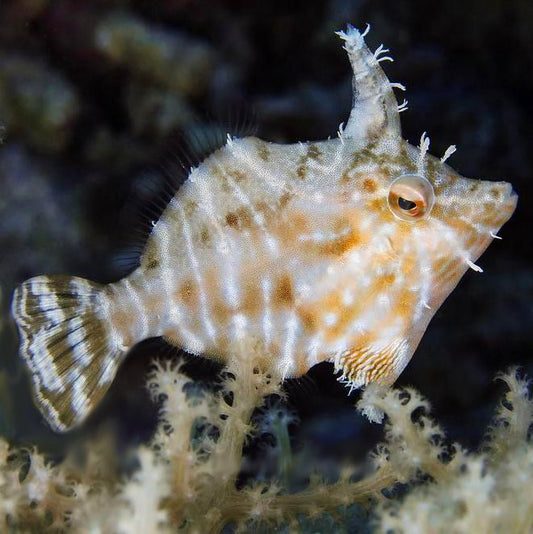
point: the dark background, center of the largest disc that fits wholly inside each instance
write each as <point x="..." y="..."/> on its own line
<point x="86" y="121"/>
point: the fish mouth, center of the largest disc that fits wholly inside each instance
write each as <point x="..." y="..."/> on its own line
<point x="510" y="198"/>
<point x="510" y="193"/>
<point x="505" y="202"/>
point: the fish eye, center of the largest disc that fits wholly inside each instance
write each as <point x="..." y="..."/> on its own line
<point x="411" y="197"/>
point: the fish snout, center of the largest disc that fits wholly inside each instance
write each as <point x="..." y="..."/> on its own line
<point x="511" y="194"/>
<point x="502" y="198"/>
<point x="489" y="205"/>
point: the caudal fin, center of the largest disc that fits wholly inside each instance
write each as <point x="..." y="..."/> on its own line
<point x="66" y="343"/>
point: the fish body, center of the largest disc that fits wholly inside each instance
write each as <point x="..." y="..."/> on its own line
<point x="340" y="250"/>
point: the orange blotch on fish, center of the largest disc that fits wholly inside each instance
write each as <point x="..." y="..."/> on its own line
<point x="383" y="282"/>
<point x="252" y="299"/>
<point x="232" y="220"/>
<point x="283" y="293"/>
<point x="240" y="219"/>
<point x="308" y="319"/>
<point x="340" y="245"/>
<point x="378" y="205"/>
<point x="237" y="175"/>
<point x="285" y="198"/>
<point x="188" y="292"/>
<point x="121" y="321"/>
<point x="405" y="302"/>
<point x="369" y="185"/>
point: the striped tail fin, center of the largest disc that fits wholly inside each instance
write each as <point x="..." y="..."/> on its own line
<point x="67" y="345"/>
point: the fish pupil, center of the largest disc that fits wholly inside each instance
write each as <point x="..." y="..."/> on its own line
<point x="405" y="204"/>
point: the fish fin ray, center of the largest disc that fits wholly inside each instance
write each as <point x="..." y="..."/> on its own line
<point x="67" y="346"/>
<point x="157" y="185"/>
<point x="375" y="363"/>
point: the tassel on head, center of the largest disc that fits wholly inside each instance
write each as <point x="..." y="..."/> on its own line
<point x="424" y="147"/>
<point x="403" y="106"/>
<point x="449" y="151"/>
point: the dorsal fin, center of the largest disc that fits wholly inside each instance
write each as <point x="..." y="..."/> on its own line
<point x="155" y="187"/>
<point x="375" y="110"/>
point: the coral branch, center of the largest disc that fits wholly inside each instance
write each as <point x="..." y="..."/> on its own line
<point x="188" y="476"/>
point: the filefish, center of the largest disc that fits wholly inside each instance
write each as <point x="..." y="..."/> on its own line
<point x="339" y="250"/>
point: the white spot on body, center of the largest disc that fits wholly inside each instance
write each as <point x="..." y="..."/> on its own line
<point x="174" y="317"/>
<point x="356" y="197"/>
<point x="330" y="319"/>
<point x="384" y="300"/>
<point x="347" y="296"/>
<point x="272" y="245"/>
<point x="239" y="323"/>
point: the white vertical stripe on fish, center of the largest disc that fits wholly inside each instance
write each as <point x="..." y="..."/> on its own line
<point x="139" y="324"/>
<point x="287" y="362"/>
<point x="208" y="325"/>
